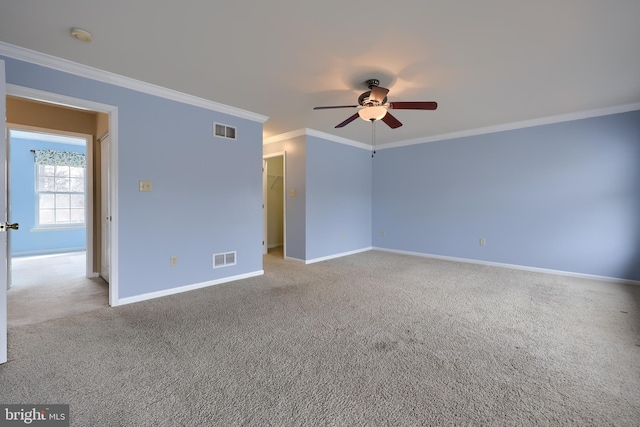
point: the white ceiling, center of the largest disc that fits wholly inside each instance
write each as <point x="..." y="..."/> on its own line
<point x="486" y="63"/>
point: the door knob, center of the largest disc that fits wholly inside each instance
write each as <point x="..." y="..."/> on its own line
<point x="4" y="226"/>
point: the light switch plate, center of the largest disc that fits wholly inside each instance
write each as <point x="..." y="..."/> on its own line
<point x="146" y="186"/>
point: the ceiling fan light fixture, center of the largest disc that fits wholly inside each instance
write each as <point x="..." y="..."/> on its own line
<point x="372" y="113"/>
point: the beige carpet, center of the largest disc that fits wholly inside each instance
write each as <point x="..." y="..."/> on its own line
<point x="372" y="339"/>
<point x="52" y="286"/>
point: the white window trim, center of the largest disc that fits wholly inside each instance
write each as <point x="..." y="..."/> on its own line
<point x="58" y="227"/>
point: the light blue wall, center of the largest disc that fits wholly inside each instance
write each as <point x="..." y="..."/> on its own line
<point x="331" y="212"/>
<point x="563" y="196"/>
<point x="295" y="173"/>
<point x="207" y="191"/>
<point x="25" y="241"/>
<point x="338" y="198"/>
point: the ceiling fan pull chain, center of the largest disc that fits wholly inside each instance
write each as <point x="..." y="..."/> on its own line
<point x="373" y="137"/>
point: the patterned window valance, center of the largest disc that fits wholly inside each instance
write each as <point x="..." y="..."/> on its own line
<point x="60" y="158"/>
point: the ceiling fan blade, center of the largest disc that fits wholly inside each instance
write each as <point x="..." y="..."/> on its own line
<point x="335" y="106"/>
<point x="391" y="121"/>
<point x="349" y="120"/>
<point x="378" y="94"/>
<point x="413" y="105"/>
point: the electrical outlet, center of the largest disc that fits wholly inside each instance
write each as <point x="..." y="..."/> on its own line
<point x="382" y="233"/>
<point x="483" y="241"/>
<point x="146" y="186"/>
<point x="173" y="261"/>
<point x="342" y="236"/>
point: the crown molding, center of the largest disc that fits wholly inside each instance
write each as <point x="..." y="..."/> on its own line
<point x="462" y="134"/>
<point x="516" y="125"/>
<point x="317" y="134"/>
<point x="74" y="68"/>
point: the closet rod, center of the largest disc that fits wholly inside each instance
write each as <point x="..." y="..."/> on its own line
<point x="276" y="180"/>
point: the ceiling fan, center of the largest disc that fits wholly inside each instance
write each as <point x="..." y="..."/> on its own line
<point x="374" y="106"/>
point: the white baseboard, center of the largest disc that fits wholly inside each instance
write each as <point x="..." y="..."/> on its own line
<point x="173" y="291"/>
<point x="288" y="258"/>
<point x="275" y="245"/>
<point x="340" y="255"/>
<point x="514" y="266"/>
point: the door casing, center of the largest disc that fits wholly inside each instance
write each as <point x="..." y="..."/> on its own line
<point x="284" y="200"/>
<point x="105" y="209"/>
<point x="38" y="95"/>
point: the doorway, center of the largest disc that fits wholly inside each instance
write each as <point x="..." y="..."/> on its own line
<point x="50" y="193"/>
<point x="274" y="187"/>
<point x="29" y="103"/>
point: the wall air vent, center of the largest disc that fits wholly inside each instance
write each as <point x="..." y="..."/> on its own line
<point x="224" y="131"/>
<point x="224" y="260"/>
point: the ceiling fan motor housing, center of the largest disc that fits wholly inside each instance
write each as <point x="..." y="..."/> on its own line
<point x="371" y="83"/>
<point x="365" y="102"/>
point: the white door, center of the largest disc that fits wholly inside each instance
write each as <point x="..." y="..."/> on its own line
<point x="4" y="271"/>
<point x="105" y="209"/>
<point x="264" y="207"/>
<point x="8" y="199"/>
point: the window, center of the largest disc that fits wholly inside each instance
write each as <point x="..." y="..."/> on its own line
<point x="60" y="195"/>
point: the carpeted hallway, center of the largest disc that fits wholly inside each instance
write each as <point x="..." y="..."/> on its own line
<point x="366" y="340"/>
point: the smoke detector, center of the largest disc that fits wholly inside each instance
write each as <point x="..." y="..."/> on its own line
<point x="80" y="34"/>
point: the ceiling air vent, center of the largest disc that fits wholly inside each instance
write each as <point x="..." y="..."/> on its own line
<point x="224" y="131"/>
<point x="224" y="260"/>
